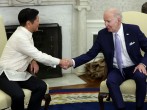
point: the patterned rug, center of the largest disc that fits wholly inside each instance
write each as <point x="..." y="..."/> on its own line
<point x="67" y="96"/>
<point x="83" y="99"/>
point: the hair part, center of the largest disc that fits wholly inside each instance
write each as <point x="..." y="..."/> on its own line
<point x="27" y="14"/>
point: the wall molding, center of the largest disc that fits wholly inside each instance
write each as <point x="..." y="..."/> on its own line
<point x="35" y="2"/>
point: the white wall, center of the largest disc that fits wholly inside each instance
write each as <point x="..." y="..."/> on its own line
<point x="98" y="7"/>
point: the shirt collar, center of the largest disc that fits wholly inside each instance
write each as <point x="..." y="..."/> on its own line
<point x="26" y="31"/>
<point x="120" y="31"/>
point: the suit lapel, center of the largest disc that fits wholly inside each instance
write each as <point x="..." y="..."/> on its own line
<point x="108" y="41"/>
<point x="110" y="45"/>
<point x="127" y="37"/>
<point x="111" y="42"/>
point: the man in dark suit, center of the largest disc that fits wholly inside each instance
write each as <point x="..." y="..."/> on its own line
<point x="132" y="65"/>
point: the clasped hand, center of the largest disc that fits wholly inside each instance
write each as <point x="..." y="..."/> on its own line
<point x="66" y="63"/>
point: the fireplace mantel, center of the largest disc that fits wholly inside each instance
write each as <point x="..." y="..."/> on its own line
<point x="35" y="2"/>
<point x="81" y="3"/>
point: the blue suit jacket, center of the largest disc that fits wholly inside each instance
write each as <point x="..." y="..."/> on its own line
<point x="104" y="43"/>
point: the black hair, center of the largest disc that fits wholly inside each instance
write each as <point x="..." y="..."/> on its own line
<point x="27" y="14"/>
<point x="144" y="8"/>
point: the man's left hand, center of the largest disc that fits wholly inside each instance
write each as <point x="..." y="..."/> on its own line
<point x="141" y="68"/>
<point x="34" y="67"/>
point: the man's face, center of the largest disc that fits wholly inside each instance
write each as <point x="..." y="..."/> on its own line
<point x="35" y="25"/>
<point x="112" y="23"/>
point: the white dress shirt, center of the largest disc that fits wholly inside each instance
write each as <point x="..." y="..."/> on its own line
<point x="125" y="57"/>
<point x="19" y="52"/>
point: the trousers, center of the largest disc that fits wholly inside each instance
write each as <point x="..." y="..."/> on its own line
<point x="14" y="90"/>
<point x="115" y="79"/>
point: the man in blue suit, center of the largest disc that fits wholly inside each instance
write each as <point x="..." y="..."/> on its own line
<point x="133" y="63"/>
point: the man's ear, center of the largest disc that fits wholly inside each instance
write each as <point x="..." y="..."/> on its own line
<point x="28" y="23"/>
<point x="119" y="19"/>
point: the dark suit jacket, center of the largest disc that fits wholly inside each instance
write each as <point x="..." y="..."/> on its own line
<point x="134" y="39"/>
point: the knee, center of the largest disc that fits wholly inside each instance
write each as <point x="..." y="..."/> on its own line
<point x="109" y="82"/>
<point x="112" y="83"/>
<point x="42" y="87"/>
<point x="140" y="76"/>
<point x="18" y="97"/>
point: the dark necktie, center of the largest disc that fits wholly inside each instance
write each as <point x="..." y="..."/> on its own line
<point x="118" y="52"/>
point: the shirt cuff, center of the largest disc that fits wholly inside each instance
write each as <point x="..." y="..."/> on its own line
<point x="55" y="63"/>
<point x="73" y="62"/>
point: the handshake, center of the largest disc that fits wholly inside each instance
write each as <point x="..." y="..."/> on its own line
<point x="66" y="63"/>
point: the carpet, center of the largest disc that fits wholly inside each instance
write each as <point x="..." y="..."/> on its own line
<point x="81" y="99"/>
<point x="90" y="106"/>
<point x="65" y="96"/>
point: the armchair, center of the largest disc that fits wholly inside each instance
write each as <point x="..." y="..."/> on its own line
<point x="129" y="86"/>
<point x="5" y="100"/>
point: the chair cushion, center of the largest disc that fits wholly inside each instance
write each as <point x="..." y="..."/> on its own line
<point x="5" y="100"/>
<point x="3" y="37"/>
<point x="127" y="87"/>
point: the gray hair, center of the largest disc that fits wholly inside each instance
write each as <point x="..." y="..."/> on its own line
<point x="117" y="13"/>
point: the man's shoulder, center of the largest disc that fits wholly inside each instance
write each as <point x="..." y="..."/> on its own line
<point x="104" y="30"/>
<point x="130" y="25"/>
